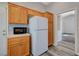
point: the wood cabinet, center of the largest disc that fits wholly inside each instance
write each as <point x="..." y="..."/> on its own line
<point x="50" y="34"/>
<point x="14" y="50"/>
<point x="24" y="15"/>
<point x="17" y="14"/>
<point x="19" y="46"/>
<point x="35" y="13"/>
<point x="50" y="28"/>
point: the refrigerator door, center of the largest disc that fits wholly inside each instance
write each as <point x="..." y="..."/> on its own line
<point x="39" y="42"/>
<point x="33" y="24"/>
<point x="36" y="23"/>
<point x="42" y="23"/>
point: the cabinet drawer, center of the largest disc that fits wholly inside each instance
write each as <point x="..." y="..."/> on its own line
<point x="13" y="41"/>
<point x="17" y="40"/>
<point x="24" y="39"/>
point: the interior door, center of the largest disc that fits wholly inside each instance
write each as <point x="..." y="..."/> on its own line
<point x="3" y="31"/>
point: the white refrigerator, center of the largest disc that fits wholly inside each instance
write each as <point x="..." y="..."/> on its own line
<point x="38" y="28"/>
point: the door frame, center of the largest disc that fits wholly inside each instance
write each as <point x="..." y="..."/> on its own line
<point x="75" y="10"/>
<point x="72" y="12"/>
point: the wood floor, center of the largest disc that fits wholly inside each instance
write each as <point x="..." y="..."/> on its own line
<point x="65" y="48"/>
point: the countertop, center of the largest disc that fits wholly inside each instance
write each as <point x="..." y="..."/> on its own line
<point x="18" y="35"/>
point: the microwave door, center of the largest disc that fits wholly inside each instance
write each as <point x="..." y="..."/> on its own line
<point x="20" y="30"/>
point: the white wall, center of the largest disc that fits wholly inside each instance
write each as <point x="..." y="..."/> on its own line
<point x="68" y="24"/>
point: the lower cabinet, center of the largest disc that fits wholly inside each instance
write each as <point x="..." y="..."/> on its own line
<point x="19" y="46"/>
<point x="14" y="50"/>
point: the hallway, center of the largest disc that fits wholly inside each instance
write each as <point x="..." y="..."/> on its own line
<point x="65" y="48"/>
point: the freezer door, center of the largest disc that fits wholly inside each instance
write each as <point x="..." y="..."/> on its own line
<point x="40" y="42"/>
<point x="37" y="22"/>
<point x="42" y="23"/>
<point x="33" y="23"/>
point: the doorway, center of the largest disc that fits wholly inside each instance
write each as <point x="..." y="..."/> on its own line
<point x="67" y="31"/>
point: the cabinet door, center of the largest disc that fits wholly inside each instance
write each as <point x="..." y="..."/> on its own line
<point x="14" y="50"/>
<point x="17" y="14"/>
<point x="23" y="15"/>
<point x="14" y="46"/>
<point x="24" y="49"/>
<point x="11" y="50"/>
<point x="25" y="45"/>
<point x="14" y="13"/>
<point x="17" y="49"/>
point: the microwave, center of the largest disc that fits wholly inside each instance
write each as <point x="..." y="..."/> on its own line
<point x="20" y="30"/>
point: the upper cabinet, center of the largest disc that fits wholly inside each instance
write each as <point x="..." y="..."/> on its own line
<point x="17" y="14"/>
<point x="35" y="13"/>
<point x="24" y="15"/>
<point x="49" y="16"/>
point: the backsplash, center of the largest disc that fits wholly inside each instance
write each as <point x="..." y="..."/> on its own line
<point x="11" y="26"/>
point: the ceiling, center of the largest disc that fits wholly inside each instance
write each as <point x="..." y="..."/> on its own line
<point x="46" y="3"/>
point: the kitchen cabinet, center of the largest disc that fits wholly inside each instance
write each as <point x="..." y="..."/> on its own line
<point x="17" y="14"/>
<point x="35" y="13"/>
<point x="24" y="15"/>
<point x="14" y="50"/>
<point x="19" y="46"/>
<point x="50" y="34"/>
<point x="50" y="28"/>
